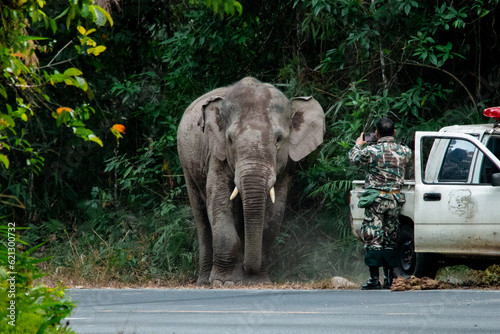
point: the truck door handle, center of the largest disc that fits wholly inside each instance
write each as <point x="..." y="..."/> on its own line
<point x="432" y="196"/>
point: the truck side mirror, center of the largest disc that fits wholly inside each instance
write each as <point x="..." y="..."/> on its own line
<point x="495" y="180"/>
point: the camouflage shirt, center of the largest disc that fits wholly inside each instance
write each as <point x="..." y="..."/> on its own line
<point x="386" y="163"/>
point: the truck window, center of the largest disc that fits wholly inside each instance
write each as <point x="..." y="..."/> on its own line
<point x="488" y="168"/>
<point x="457" y="161"/>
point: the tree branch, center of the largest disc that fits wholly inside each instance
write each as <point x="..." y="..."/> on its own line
<point x="59" y="63"/>
<point x="57" y="55"/>
<point x="448" y="73"/>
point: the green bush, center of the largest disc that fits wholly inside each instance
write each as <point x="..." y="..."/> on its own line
<point x="114" y="247"/>
<point x="29" y="308"/>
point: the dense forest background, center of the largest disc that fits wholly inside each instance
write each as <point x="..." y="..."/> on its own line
<point x="112" y="202"/>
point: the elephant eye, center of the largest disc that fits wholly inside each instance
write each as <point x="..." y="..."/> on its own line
<point x="279" y="139"/>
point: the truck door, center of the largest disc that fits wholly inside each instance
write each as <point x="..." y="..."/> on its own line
<point x="457" y="209"/>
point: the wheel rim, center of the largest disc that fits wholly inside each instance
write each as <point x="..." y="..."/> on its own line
<point x="407" y="255"/>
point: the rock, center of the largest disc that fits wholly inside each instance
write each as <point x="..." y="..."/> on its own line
<point x="342" y="283"/>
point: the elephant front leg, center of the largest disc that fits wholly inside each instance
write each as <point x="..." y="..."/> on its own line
<point x="227" y="249"/>
<point x="227" y="262"/>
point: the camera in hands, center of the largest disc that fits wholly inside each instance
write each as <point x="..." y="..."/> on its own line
<point x="370" y="137"/>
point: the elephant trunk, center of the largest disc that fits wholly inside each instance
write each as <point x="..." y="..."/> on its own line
<point x="255" y="185"/>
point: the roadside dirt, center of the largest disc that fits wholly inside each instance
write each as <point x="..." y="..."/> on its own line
<point x="459" y="277"/>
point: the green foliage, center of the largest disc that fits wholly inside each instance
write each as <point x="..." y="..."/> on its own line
<point x="26" y="86"/>
<point x="23" y="76"/>
<point x="37" y="309"/>
<point x="462" y="275"/>
<point x="227" y="6"/>
<point x="120" y="246"/>
<point x="144" y="182"/>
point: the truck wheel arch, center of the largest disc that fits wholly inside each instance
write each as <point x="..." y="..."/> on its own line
<point x="411" y="262"/>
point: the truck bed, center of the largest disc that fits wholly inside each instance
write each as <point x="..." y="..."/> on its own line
<point x="358" y="214"/>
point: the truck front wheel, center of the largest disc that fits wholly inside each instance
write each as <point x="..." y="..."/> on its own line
<point x="410" y="262"/>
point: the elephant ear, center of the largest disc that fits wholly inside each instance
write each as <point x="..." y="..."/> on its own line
<point x="212" y="124"/>
<point x="308" y="127"/>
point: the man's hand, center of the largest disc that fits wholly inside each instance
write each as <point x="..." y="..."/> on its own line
<point x="360" y="140"/>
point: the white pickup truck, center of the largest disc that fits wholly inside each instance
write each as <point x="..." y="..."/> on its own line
<point x="452" y="209"/>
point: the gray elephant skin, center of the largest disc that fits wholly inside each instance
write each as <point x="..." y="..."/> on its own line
<point x="237" y="146"/>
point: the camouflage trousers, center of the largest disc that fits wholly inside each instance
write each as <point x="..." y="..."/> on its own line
<point x="380" y="227"/>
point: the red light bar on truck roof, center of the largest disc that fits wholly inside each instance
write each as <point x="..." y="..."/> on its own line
<point x="493" y="112"/>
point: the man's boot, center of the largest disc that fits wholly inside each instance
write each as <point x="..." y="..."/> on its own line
<point x="373" y="283"/>
<point x="388" y="277"/>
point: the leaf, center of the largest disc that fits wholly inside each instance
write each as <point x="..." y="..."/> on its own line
<point x="62" y="117"/>
<point x="32" y="38"/>
<point x="128" y="171"/>
<point x="81" y="30"/>
<point x="486" y="12"/>
<point x="4" y="160"/>
<point x="424" y="55"/>
<point x="82" y="83"/>
<point x="85" y="10"/>
<point x="106" y="14"/>
<point x="97" y="50"/>
<point x="95" y="139"/>
<point x="90" y="93"/>
<point x="53" y="25"/>
<point x="83" y="132"/>
<point x="239" y="7"/>
<point x="70" y="17"/>
<point x="6" y="121"/>
<point x="433" y="59"/>
<point x="407" y="9"/>
<point x="101" y="16"/>
<point x="72" y="72"/>
<point x="62" y="14"/>
<point x="3" y="92"/>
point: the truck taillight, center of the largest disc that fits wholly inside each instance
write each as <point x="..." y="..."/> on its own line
<point x="493" y="112"/>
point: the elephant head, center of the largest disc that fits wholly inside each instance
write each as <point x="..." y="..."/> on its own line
<point x="258" y="130"/>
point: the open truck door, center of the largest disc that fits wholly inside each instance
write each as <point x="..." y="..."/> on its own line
<point x="457" y="195"/>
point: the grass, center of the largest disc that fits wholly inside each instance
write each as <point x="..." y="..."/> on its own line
<point x="119" y="249"/>
<point x="463" y="276"/>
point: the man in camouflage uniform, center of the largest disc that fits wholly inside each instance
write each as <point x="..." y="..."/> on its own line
<point x="386" y="163"/>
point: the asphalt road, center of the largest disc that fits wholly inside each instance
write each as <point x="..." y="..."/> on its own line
<point x="284" y="311"/>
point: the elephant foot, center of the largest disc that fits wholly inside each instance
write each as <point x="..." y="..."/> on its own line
<point x="217" y="283"/>
<point x="203" y="277"/>
<point x="203" y="281"/>
<point x="257" y="279"/>
<point x="226" y="278"/>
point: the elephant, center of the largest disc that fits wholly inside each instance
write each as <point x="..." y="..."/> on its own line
<point x="237" y="146"/>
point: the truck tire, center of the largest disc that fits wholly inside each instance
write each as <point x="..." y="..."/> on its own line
<point x="410" y="262"/>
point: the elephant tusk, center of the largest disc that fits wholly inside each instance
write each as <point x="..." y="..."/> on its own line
<point x="234" y="194"/>
<point x="273" y="197"/>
